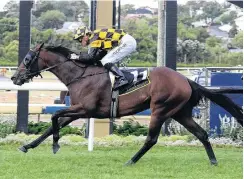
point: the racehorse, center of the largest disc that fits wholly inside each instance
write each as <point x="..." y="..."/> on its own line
<point x="169" y="95"/>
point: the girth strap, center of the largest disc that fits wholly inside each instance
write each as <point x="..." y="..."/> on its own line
<point x="114" y="105"/>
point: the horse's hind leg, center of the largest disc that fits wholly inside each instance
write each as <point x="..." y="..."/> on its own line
<point x="184" y="117"/>
<point x="63" y="121"/>
<point x="162" y="108"/>
<point x="152" y="137"/>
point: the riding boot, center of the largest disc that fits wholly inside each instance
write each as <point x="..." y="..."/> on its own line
<point x="121" y="80"/>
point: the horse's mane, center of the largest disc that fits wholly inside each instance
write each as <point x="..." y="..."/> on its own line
<point x="66" y="53"/>
<point x="60" y="49"/>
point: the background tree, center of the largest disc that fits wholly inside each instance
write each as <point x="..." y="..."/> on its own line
<point x="188" y="33"/>
<point x="213" y="41"/>
<point x="52" y="19"/>
<point x="183" y="11"/>
<point x="212" y="9"/>
<point x="38" y="36"/>
<point x="237" y="41"/>
<point x="201" y="34"/>
<point x="7" y="25"/>
<point x="73" y="10"/>
<point x="1" y="51"/>
<point x="185" y="33"/>
<point x="11" y="51"/>
<point x="233" y="31"/>
<point x="43" y="6"/>
<point x="127" y="8"/>
<point x="228" y="18"/>
<point x="185" y="15"/>
<point x="195" y="5"/>
<point x="218" y="54"/>
<point x="190" y="51"/>
<point x="146" y="37"/>
<point x="232" y="59"/>
<point x="10" y="36"/>
<point x="11" y="9"/>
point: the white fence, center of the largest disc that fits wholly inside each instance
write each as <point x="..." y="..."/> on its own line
<point x="9" y="68"/>
<point x="178" y="68"/>
<point x="47" y="86"/>
<point x="34" y="86"/>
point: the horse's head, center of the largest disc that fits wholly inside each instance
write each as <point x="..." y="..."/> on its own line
<point x="31" y="66"/>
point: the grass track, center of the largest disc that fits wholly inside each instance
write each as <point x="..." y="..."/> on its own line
<point x="75" y="162"/>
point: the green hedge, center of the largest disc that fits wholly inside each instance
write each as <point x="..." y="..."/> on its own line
<point x="130" y="127"/>
<point x="37" y="128"/>
<point x="6" y="129"/>
<point x="41" y="127"/>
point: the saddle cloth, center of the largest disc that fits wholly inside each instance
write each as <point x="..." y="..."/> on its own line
<point x="137" y="78"/>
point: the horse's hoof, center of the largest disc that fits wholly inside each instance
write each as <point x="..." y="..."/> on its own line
<point x="55" y="148"/>
<point x="129" y="163"/>
<point x="23" y="149"/>
<point x="214" y="162"/>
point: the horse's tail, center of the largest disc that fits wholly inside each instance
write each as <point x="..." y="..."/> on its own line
<point x="216" y="96"/>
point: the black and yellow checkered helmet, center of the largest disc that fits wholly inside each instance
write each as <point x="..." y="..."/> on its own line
<point x="81" y="32"/>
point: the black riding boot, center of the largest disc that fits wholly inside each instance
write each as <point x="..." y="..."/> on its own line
<point x="121" y="80"/>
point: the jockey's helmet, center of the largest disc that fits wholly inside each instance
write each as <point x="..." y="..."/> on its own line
<point x="81" y="32"/>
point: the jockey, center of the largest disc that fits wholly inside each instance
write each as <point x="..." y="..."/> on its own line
<point x="109" y="46"/>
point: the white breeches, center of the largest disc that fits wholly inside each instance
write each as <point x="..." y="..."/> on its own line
<point x="126" y="46"/>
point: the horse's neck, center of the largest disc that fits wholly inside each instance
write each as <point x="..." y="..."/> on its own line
<point x="68" y="71"/>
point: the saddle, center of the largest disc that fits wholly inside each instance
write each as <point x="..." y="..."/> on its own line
<point x="137" y="78"/>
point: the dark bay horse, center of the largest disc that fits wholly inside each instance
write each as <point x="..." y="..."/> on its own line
<point x="169" y="95"/>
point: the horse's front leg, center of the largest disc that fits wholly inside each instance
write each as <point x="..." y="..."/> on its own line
<point x="55" y="131"/>
<point x="62" y="123"/>
<point x="74" y="112"/>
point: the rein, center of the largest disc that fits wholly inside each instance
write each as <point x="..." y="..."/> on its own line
<point x="80" y="77"/>
<point x="72" y="81"/>
<point x="38" y="73"/>
<point x="76" y="79"/>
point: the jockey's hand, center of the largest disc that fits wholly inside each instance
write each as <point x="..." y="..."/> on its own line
<point x="73" y="56"/>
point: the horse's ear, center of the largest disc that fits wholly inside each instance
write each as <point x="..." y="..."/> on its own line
<point x="41" y="46"/>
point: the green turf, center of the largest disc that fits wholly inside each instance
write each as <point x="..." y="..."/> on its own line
<point x="75" y="162"/>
